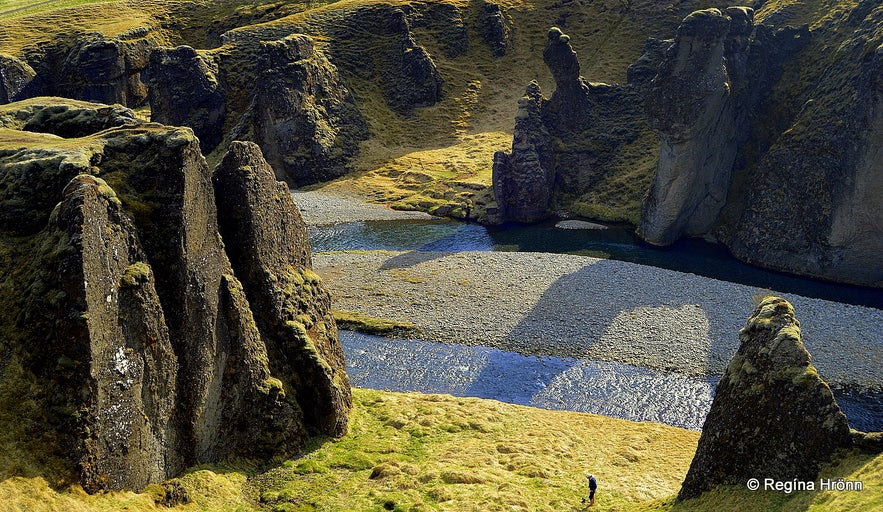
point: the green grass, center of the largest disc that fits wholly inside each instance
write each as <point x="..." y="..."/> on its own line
<point x="409" y="451"/>
<point x="16" y="8"/>
<point x="447" y="148"/>
<point x="353" y="321"/>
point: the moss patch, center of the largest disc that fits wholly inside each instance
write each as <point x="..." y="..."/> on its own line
<point x="353" y="321"/>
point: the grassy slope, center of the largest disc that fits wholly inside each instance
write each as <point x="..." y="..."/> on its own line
<point x="441" y="155"/>
<point x="437" y="452"/>
<point x="475" y="118"/>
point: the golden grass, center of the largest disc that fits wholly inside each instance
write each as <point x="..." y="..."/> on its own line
<point x="29" y="29"/>
<point x="360" y="322"/>
<point x="457" y="175"/>
<point x="440" y="155"/>
<point x="409" y="451"/>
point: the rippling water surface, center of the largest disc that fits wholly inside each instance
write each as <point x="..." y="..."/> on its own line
<point x="611" y="389"/>
<point x="599" y="387"/>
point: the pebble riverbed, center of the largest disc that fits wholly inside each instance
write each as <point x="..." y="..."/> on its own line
<point x="581" y="307"/>
<point x="517" y="312"/>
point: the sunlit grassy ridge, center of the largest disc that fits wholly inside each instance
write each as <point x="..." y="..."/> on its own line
<point x="434" y="156"/>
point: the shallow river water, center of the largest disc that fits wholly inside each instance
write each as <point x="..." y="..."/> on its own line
<point x="612" y="389"/>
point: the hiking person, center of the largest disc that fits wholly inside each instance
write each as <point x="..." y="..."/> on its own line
<point x="593" y="484"/>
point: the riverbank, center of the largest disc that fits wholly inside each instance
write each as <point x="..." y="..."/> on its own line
<point x="322" y="208"/>
<point x="582" y="307"/>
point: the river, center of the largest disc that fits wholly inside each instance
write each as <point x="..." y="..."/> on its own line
<point x="611" y="389"/>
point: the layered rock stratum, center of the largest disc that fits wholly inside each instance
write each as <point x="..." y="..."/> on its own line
<point x="126" y="305"/>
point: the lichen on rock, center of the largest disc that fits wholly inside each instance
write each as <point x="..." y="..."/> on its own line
<point x="772" y="415"/>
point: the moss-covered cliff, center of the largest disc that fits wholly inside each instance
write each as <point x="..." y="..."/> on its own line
<point x="124" y="318"/>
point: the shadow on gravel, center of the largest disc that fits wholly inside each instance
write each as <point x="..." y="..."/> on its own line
<point x="411" y="258"/>
<point x="608" y="311"/>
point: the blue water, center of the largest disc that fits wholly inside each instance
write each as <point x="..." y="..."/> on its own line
<point x="693" y="255"/>
<point x="611" y="389"/>
<point x="599" y="387"/>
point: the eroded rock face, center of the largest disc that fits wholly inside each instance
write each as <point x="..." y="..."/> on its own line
<point x="16" y="78"/>
<point x="118" y="350"/>
<point x="496" y="28"/>
<point x="418" y="82"/>
<point x="385" y="50"/>
<point x="565" y="144"/>
<point x="96" y="68"/>
<point x="269" y="247"/>
<point x="750" y="152"/>
<point x="523" y="180"/>
<point x="692" y="103"/>
<point x="772" y="416"/>
<point x="184" y="91"/>
<point x="301" y="114"/>
<point x="820" y="181"/>
<point x="151" y="357"/>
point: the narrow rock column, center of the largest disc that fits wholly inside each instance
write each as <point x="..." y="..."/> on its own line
<point x="269" y="249"/>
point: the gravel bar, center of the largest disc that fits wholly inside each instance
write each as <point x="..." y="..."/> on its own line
<point x="581" y="307"/>
<point x="322" y="208"/>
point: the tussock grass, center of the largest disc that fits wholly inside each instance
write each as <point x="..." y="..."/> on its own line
<point x="436" y="452"/>
<point x="409" y="451"/>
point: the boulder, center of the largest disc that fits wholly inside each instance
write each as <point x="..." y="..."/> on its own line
<point x="184" y="91"/>
<point x="772" y="415"/>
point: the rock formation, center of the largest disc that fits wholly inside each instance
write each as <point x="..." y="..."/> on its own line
<point x="751" y="152"/>
<point x="565" y="144"/>
<point x="184" y="91"/>
<point x="131" y="315"/>
<point x="496" y="28"/>
<point x="772" y="415"/>
<point x="523" y="180"/>
<point x="269" y="246"/>
<point x="94" y="67"/>
<point x="820" y="179"/>
<point x="454" y="39"/>
<point x="301" y="114"/>
<point x="692" y="103"/>
<point x="16" y="78"/>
